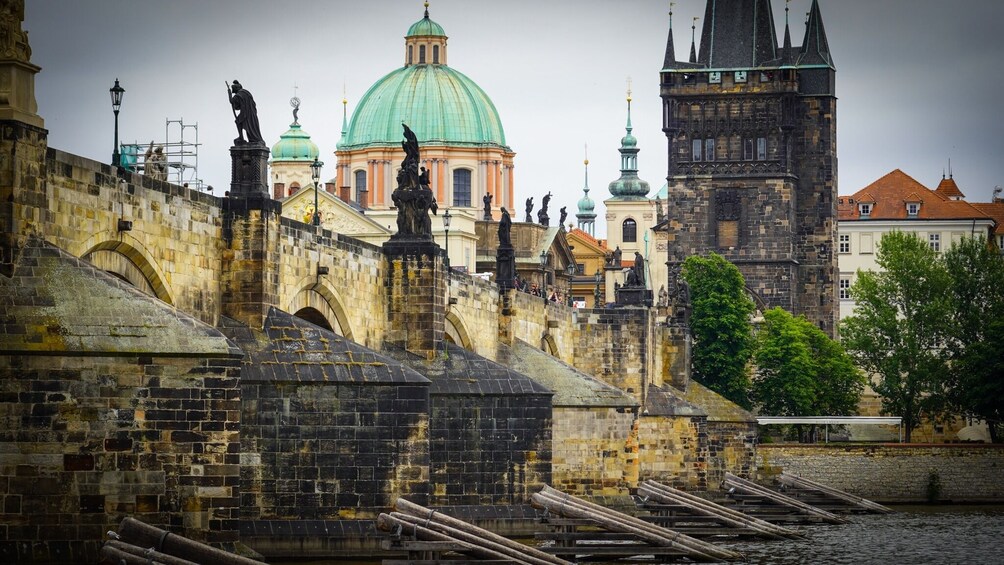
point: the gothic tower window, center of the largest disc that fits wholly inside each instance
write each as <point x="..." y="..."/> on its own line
<point x="461" y="187"/>
<point x="761" y="149"/>
<point x="727" y="218"/>
<point x="629" y="231"/>
<point x="748" y="149"/>
<point x="709" y="149"/>
<point x="697" y="151"/>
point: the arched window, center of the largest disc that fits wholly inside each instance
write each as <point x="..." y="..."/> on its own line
<point x="360" y="183"/>
<point x="421" y="54"/>
<point x="629" y="231"/>
<point x="435" y="54"/>
<point x="411" y="49"/>
<point x="293" y="187"/>
<point x="461" y="187"/>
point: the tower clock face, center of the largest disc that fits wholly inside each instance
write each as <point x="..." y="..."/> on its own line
<point x="715" y="77"/>
<point x="740" y="76"/>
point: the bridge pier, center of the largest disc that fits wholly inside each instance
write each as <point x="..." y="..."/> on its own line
<point x="416" y="291"/>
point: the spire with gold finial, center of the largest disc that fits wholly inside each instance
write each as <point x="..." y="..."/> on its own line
<point x="629" y="186"/>
<point x="670" y="60"/>
<point x="586" y="215"/>
<point x="345" y="118"/>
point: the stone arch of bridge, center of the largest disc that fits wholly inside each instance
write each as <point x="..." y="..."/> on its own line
<point x="456" y="331"/>
<point x="318" y="299"/>
<point x="132" y="262"/>
<point x="549" y="345"/>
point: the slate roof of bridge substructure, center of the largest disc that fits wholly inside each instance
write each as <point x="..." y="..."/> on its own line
<point x="457" y="371"/>
<point x="57" y="304"/>
<point x="292" y="349"/>
<point x="571" y="386"/>
<point x="667" y="401"/>
<point x="719" y="408"/>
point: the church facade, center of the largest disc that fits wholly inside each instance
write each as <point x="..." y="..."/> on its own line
<point x="752" y="174"/>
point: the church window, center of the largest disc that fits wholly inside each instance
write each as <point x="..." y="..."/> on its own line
<point x="421" y="54"/>
<point x="435" y="54"/>
<point x="709" y="149"/>
<point x="845" y="288"/>
<point x="461" y="187"/>
<point x="748" y="149"/>
<point x="411" y="50"/>
<point x="293" y="188"/>
<point x="629" y="231"/>
<point x="360" y="183"/>
<point x="934" y="240"/>
<point x="698" y="149"/>
<point x="761" y="149"/>
<point x="845" y="243"/>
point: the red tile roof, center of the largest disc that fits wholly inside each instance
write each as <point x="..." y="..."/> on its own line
<point x="949" y="189"/>
<point x="996" y="211"/>
<point x="600" y="243"/>
<point x="890" y="194"/>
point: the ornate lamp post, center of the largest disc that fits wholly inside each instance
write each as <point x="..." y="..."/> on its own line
<point x="116" y="93"/>
<point x="315" y="173"/>
<point x="446" y="228"/>
<point x="570" y="269"/>
<point x="596" y="292"/>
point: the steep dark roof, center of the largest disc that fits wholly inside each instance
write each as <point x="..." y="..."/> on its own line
<point x="669" y="61"/>
<point x="288" y="348"/>
<point x="57" y="304"/>
<point x="815" y="48"/>
<point x="737" y="34"/>
<point x="457" y="371"/>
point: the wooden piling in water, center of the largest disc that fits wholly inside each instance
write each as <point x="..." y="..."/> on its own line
<point x="847" y="498"/>
<point x="748" y="487"/>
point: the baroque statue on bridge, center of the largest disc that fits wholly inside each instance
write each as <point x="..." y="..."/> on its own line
<point x="413" y="198"/>
<point x="245" y="115"/>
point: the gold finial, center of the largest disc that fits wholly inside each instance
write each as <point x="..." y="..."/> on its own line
<point x="345" y="99"/>
<point x="628" y="89"/>
<point x="586" y="153"/>
<point x="426" y="5"/>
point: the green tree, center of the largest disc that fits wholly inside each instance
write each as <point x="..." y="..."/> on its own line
<point x="899" y="326"/>
<point x="720" y="325"/>
<point x="976" y="382"/>
<point x="801" y="371"/>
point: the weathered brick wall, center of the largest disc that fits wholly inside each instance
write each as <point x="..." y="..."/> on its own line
<point x="732" y="448"/>
<point x="614" y="346"/>
<point x="332" y="450"/>
<point x="89" y="441"/>
<point x="594" y="450"/>
<point x="23" y="203"/>
<point x="674" y="450"/>
<point x="894" y="473"/>
<point x="488" y="449"/>
<point x="477" y="311"/>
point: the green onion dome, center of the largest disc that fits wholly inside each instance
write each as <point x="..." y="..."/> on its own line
<point x="294" y="145"/>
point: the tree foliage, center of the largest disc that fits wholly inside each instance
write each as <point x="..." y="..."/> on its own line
<point x="900" y="325"/>
<point x="720" y="325"/>
<point x="976" y="382"/>
<point x="801" y="371"/>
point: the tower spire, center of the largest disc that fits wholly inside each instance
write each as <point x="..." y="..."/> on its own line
<point x="693" y="37"/>
<point x="815" y="48"/>
<point x="629" y="186"/>
<point x="586" y="215"/>
<point x="670" y="60"/>
<point x="787" y="36"/>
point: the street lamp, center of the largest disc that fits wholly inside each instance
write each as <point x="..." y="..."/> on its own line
<point x="596" y="292"/>
<point x="315" y="173"/>
<point x="570" y="269"/>
<point x="116" y="93"/>
<point x="446" y="227"/>
<point x="544" y="260"/>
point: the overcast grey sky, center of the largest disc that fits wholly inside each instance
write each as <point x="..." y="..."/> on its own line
<point x="918" y="81"/>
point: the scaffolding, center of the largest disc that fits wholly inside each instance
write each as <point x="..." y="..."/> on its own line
<point x="181" y="154"/>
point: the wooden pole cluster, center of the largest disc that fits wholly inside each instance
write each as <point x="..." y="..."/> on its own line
<point x="568" y="506"/>
<point x="854" y="500"/>
<point x="139" y="543"/>
<point x="669" y="495"/>
<point x="430" y="525"/>
<point x="749" y="487"/>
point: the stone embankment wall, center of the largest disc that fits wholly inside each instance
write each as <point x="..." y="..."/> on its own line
<point x="892" y="472"/>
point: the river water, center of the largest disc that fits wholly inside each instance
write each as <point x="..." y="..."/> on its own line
<point x="970" y="535"/>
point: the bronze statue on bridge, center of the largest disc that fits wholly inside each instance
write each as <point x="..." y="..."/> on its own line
<point x="413" y="198"/>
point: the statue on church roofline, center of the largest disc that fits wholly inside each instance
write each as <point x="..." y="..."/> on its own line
<point x="487" y="199"/>
<point x="505" y="227"/>
<point x="413" y="198"/>
<point x="564" y="215"/>
<point x="245" y="115"/>
<point x="542" y="217"/>
<point x="529" y="210"/>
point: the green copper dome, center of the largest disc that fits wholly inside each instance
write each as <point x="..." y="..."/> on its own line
<point x="425" y="26"/>
<point x="586" y="205"/>
<point x="440" y="104"/>
<point x="629" y="186"/>
<point x="294" y="145"/>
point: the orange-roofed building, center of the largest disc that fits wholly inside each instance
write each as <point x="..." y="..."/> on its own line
<point x="590" y="257"/>
<point x="897" y="201"/>
<point x="995" y="210"/>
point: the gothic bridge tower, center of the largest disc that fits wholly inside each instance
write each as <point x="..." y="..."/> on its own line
<point x="751" y="130"/>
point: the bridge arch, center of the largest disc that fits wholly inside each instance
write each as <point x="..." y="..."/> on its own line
<point x="131" y="262"/>
<point x="456" y="331"/>
<point x="549" y="345"/>
<point x="320" y="305"/>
